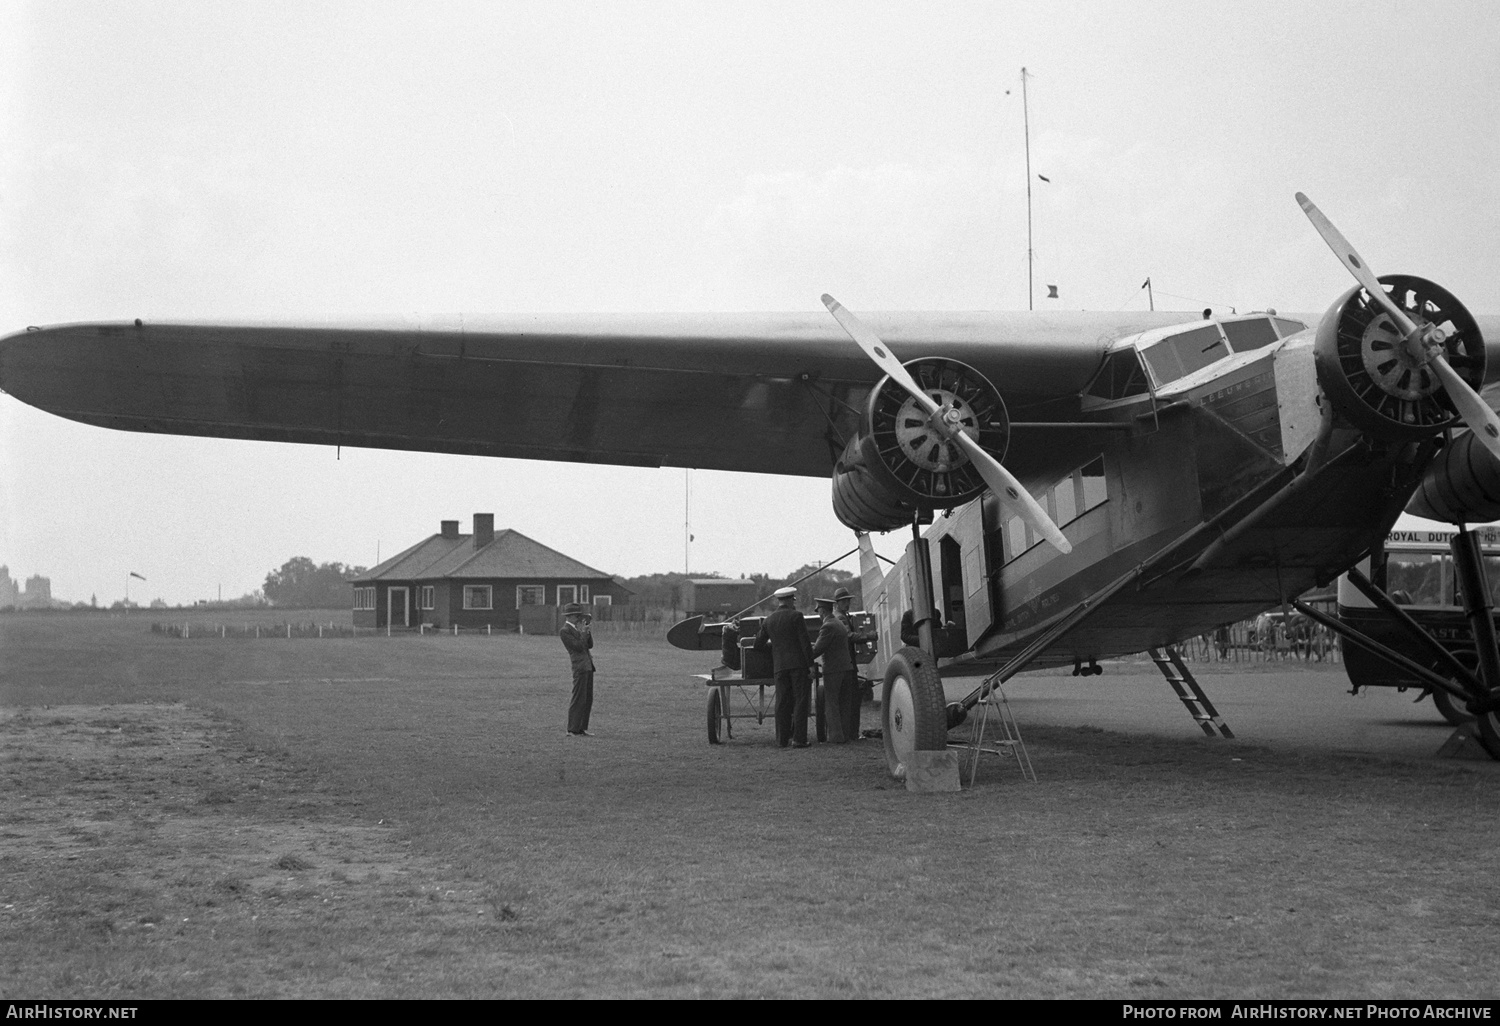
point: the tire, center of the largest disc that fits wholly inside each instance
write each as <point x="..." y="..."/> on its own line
<point x="1452" y="709"/>
<point x="819" y="716"/>
<point x="912" y="709"/>
<point x="1489" y="733"/>
<point x="715" y="714"/>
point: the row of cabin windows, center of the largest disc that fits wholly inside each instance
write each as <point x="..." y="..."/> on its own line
<point x="1179" y="355"/>
<point x="481" y="596"/>
<point x="1065" y="502"/>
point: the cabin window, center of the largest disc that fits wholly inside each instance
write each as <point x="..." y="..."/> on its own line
<point x="1287" y="327"/>
<point x="428" y="597"/>
<point x="478" y="596"/>
<point x="1065" y="501"/>
<point x="1094" y="492"/>
<point x="1180" y="355"/>
<point x="567" y="593"/>
<point x="1015" y="537"/>
<point x="531" y="595"/>
<point x="604" y="600"/>
<point x="364" y="598"/>
<point x="1247" y="335"/>
<point x="583" y="593"/>
<point x="1122" y="375"/>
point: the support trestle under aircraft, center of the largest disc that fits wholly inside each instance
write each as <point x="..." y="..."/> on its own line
<point x="1096" y="484"/>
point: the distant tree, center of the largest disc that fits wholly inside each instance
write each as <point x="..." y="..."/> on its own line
<point x="822" y="584"/>
<point x="300" y="583"/>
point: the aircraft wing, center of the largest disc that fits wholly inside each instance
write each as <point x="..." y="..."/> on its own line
<point x="769" y="393"/>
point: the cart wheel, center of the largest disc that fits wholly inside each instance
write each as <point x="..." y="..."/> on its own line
<point x="913" y="717"/>
<point x="715" y="713"/>
<point x="818" y="715"/>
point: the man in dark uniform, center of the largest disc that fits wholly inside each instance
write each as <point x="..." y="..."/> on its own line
<point x="842" y="600"/>
<point x="578" y="638"/>
<point x="784" y="635"/>
<point x="833" y="648"/>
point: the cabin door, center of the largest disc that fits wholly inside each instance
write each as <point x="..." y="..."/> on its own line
<point x="974" y="557"/>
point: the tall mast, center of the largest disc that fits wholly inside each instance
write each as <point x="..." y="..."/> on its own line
<point x="1026" y="121"/>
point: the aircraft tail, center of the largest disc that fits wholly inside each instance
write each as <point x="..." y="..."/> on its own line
<point x="870" y="574"/>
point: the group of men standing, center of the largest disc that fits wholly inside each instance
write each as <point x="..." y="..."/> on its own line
<point x="784" y="635"/>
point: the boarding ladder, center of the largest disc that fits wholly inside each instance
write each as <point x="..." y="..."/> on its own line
<point x="1006" y="740"/>
<point x="1198" y="706"/>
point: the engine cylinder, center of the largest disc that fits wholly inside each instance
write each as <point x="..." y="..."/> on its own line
<point x="1461" y="486"/>
<point x="1372" y="377"/>
<point x="900" y="464"/>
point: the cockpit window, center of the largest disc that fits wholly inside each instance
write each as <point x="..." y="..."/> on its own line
<point x="1179" y="355"/>
<point x="1122" y="375"/>
<point x="1247" y="335"/>
<point x="1287" y="327"/>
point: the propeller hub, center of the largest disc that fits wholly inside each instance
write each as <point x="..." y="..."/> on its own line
<point x="929" y="440"/>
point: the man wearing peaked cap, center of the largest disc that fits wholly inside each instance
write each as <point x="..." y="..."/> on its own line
<point x="839" y="682"/>
<point x="578" y="637"/>
<point x="784" y="635"/>
<point x="842" y="599"/>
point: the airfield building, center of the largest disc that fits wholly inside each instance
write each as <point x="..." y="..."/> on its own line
<point x="718" y="597"/>
<point x="485" y="579"/>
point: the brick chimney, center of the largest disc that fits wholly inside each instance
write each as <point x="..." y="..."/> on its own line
<point x="484" y="529"/>
<point x="450" y="529"/>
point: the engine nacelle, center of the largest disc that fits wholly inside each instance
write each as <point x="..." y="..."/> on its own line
<point x="1368" y="375"/>
<point x="1461" y="486"/>
<point x="899" y="464"/>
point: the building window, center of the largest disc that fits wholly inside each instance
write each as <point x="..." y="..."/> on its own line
<point x="567" y="593"/>
<point x="583" y="593"/>
<point x="364" y="598"/>
<point x="604" y="600"/>
<point x="477" y="596"/>
<point x="531" y="595"/>
<point x="428" y="598"/>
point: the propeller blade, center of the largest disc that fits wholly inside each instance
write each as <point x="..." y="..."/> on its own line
<point x="1476" y="413"/>
<point x="1001" y="481"/>
<point x="1004" y="484"/>
<point x="875" y="349"/>
<point x="1357" y="267"/>
<point x="1473" y="409"/>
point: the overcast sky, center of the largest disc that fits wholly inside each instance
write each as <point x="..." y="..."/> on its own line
<point x="313" y="160"/>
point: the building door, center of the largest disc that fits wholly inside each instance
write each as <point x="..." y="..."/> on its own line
<point x="398" y="607"/>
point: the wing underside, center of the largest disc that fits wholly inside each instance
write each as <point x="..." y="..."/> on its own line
<point x="764" y="393"/>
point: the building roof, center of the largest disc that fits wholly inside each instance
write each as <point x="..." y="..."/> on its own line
<point x="510" y="555"/>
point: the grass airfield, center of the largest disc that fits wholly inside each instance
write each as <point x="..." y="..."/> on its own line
<point x="405" y="817"/>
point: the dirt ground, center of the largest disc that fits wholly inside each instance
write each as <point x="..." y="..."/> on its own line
<point x="405" y="818"/>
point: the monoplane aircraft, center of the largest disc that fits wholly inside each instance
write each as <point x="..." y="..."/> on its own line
<point x="1096" y="484"/>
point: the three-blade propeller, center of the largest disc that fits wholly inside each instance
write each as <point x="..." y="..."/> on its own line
<point x="1423" y="343"/>
<point x="944" y="419"/>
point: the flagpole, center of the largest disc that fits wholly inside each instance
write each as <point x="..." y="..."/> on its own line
<point x="687" y="516"/>
<point x="1026" y="121"/>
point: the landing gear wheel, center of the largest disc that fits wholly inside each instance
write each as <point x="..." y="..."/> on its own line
<point x="912" y="709"/>
<point x="819" y="718"/>
<point x="715" y="714"/>
<point x="1452" y="708"/>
